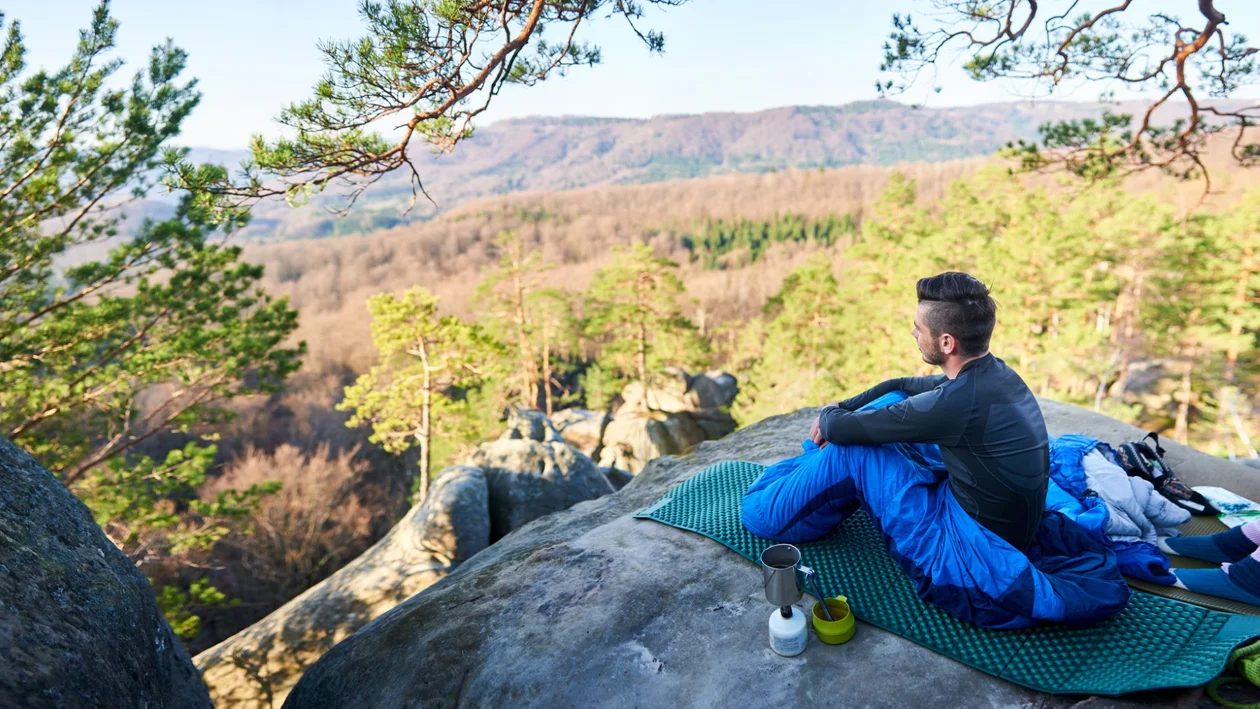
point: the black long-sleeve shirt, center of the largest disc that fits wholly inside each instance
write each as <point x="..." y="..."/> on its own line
<point x="990" y="431"/>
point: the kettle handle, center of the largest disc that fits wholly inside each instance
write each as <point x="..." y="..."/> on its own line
<point x="805" y="570"/>
<point x="811" y="576"/>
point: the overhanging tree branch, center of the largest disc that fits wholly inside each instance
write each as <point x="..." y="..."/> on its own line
<point x="441" y="63"/>
<point x="1109" y="44"/>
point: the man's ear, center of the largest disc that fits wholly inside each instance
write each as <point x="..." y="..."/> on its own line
<point x="948" y="344"/>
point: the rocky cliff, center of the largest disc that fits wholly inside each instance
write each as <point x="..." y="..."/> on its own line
<point x="256" y="667"/>
<point x="527" y="473"/>
<point x="78" y="623"/>
<point x="590" y="606"/>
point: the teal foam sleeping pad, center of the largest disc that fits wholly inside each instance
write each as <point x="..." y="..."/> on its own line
<point x="1155" y="643"/>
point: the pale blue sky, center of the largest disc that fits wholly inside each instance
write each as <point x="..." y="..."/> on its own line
<point x="721" y="55"/>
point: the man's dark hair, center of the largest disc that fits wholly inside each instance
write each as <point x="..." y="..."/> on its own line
<point x="959" y="305"/>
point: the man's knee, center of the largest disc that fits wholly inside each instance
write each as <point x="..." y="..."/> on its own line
<point x="799" y="509"/>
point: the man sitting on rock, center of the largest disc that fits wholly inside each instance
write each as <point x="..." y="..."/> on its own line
<point x="953" y="469"/>
<point x="979" y="411"/>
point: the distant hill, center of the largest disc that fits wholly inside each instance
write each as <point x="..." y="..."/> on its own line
<point x="562" y="153"/>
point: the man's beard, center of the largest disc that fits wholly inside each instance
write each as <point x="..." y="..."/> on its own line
<point x="934" y="354"/>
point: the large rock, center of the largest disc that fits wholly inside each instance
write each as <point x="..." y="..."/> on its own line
<point x="678" y="411"/>
<point x="633" y="438"/>
<point x="675" y="391"/>
<point x="582" y="429"/>
<point x="618" y="477"/>
<point x="529" y="425"/>
<point x="255" y="668"/>
<point x="590" y="606"/>
<point x="529" y="478"/>
<point x="78" y="623"/>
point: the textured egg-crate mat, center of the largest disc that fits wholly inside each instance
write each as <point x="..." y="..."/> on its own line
<point x="1155" y="643"/>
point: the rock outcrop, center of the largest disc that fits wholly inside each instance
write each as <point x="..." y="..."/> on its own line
<point x="676" y="391"/>
<point x="255" y="668"/>
<point x="528" y="478"/>
<point x="529" y="425"/>
<point x="676" y="413"/>
<point x="633" y="438"/>
<point x="79" y="626"/>
<point x="591" y="606"/>
<point x="618" y="477"/>
<point x="582" y="429"/>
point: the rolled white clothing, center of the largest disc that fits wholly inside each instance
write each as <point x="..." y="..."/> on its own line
<point x="1137" y="511"/>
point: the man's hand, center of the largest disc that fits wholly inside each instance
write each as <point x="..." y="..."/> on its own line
<point x="815" y="434"/>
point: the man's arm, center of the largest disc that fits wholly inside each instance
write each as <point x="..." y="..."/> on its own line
<point x="910" y="385"/>
<point x="924" y="418"/>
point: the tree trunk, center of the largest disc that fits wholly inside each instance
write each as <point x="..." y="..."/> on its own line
<point x="1235" y="326"/>
<point x="426" y="429"/>
<point x="546" y="365"/>
<point x="1182" y="430"/>
<point x="1228" y="391"/>
<point x="1122" y="376"/>
<point x="641" y="356"/>
<point x="529" y="382"/>
<point x="1126" y="340"/>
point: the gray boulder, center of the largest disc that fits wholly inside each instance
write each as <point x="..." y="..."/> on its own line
<point x="618" y="477"/>
<point x="633" y="438"/>
<point x="78" y="623"/>
<point x="529" y="478"/>
<point x="582" y="429"/>
<point x="590" y="606"/>
<point x="678" y="411"/>
<point x="675" y="391"/>
<point x="257" y="667"/>
<point x="715" y="389"/>
<point x="1253" y="463"/>
<point x="528" y="425"/>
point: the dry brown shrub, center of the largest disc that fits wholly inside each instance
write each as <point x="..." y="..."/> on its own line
<point x="322" y="517"/>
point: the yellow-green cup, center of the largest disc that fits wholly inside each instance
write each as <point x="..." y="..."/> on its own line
<point x="840" y="628"/>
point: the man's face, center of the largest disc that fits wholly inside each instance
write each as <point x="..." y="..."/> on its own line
<point x="929" y="346"/>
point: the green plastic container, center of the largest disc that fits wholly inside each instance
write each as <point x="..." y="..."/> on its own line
<point x="839" y="630"/>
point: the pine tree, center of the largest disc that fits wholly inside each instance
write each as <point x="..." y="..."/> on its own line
<point x="803" y="345"/>
<point x="171" y="305"/>
<point x="556" y="334"/>
<point x="425" y="359"/>
<point x="877" y="287"/>
<point x="1237" y="236"/>
<point x="101" y="355"/>
<point x="633" y="312"/>
<point x="505" y="294"/>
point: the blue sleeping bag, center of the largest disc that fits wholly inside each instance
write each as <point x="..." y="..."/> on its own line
<point x="1138" y="559"/>
<point x="1068" y="574"/>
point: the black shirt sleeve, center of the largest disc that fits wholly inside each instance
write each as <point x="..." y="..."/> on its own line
<point x="923" y="418"/>
<point x="910" y="385"/>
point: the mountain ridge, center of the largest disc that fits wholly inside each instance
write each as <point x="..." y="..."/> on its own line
<point x="558" y="153"/>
